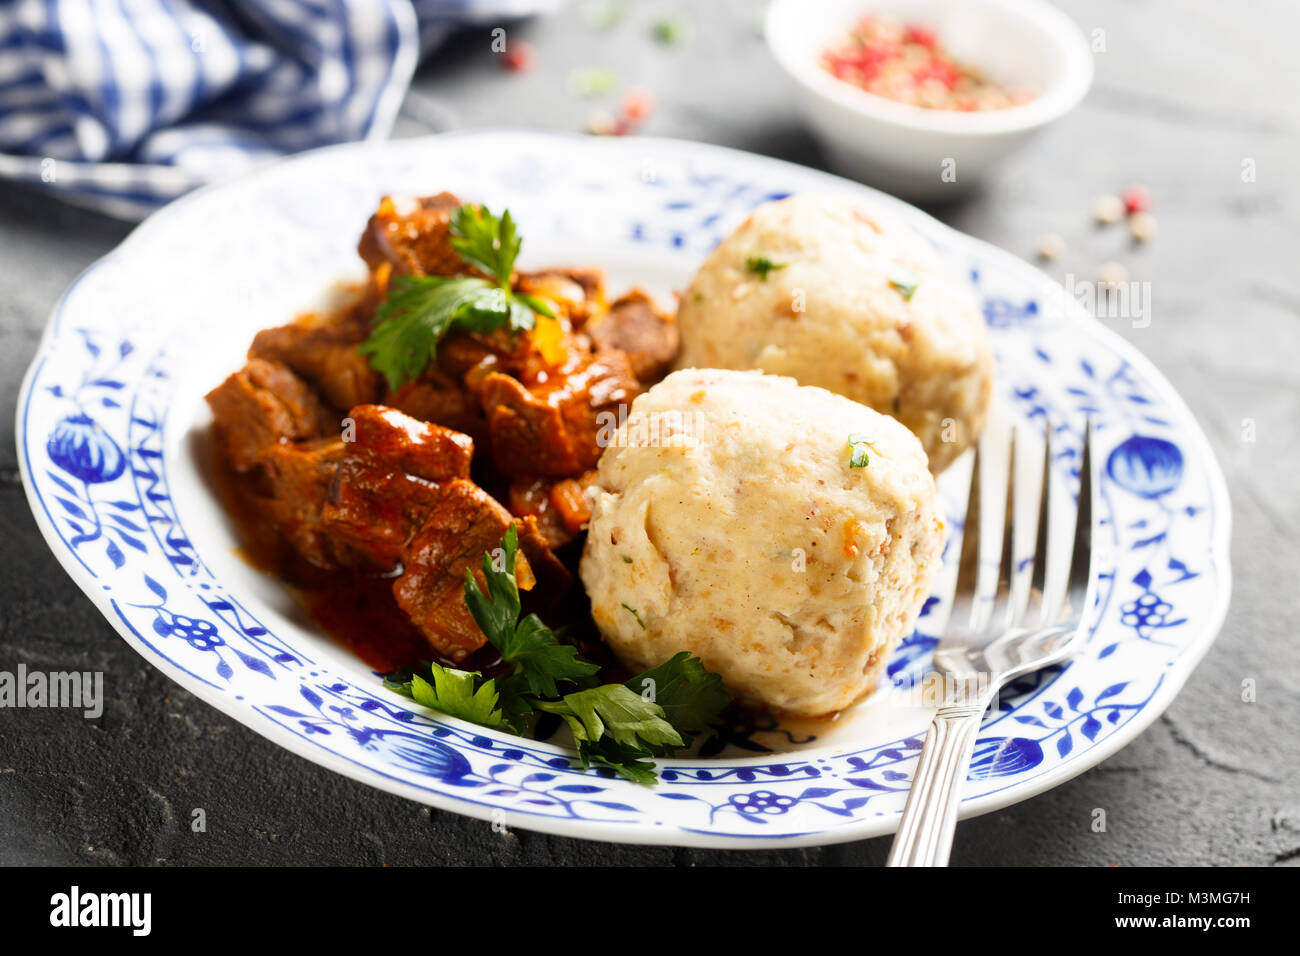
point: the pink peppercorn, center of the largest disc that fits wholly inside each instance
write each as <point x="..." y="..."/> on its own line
<point x="1137" y="198"/>
<point x="922" y="35"/>
<point x="937" y="70"/>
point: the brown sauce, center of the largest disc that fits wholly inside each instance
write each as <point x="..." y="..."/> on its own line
<point x="355" y="609"/>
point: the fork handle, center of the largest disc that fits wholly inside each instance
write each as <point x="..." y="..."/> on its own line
<point x="924" y="835"/>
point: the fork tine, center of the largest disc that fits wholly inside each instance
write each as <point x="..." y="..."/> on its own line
<point x="1081" y="555"/>
<point x="1038" y="583"/>
<point x="1002" y="612"/>
<point x="965" y="590"/>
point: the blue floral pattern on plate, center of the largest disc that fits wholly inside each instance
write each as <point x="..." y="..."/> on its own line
<point x="108" y="414"/>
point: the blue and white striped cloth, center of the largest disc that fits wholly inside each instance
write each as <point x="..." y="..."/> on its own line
<point x="123" y="105"/>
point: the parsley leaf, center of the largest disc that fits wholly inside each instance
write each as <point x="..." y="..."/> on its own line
<point x="762" y="265"/>
<point x="454" y="692"/>
<point x="620" y="726"/>
<point x="420" y="310"/>
<point x="635" y="613"/>
<point x="690" y="695"/>
<point x="541" y="658"/>
<point x="615" y="710"/>
<point x="629" y="762"/>
<point x="905" y="284"/>
<point x="616" y="728"/>
<point x="858" y="445"/>
<point x="529" y="644"/>
<point x="485" y="242"/>
<point x="516" y="703"/>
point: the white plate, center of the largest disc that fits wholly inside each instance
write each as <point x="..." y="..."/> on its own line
<point x="112" y="406"/>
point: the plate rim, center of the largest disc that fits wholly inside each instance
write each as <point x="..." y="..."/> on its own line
<point x="644" y="832"/>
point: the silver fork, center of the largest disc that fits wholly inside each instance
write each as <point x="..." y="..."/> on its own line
<point x="984" y="646"/>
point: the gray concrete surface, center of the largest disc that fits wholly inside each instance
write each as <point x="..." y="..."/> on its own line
<point x="1185" y="91"/>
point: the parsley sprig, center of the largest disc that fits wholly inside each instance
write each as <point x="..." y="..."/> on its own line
<point x="420" y="310"/>
<point x="859" y="446"/>
<point x="904" y="283"/>
<point x="454" y="692"/>
<point x="762" y="265"/>
<point x="620" y="726"/>
<point x="538" y="657"/>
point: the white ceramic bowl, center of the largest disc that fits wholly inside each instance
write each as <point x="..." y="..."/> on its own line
<point x="1025" y="44"/>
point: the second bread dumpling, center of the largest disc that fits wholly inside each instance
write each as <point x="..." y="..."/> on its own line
<point x="842" y="297"/>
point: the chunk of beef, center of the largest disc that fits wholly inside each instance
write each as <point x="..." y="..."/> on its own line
<point x="635" y="325"/>
<point x="470" y="357"/>
<point x="323" y="350"/>
<point x="579" y="291"/>
<point x="590" y="278"/>
<point x="461" y="353"/>
<point x="397" y="441"/>
<point x="297" y="480"/>
<point x="261" y="405"/>
<point x="552" y="428"/>
<point x="413" y="237"/>
<point x="395" y="497"/>
<point x="437" y="397"/>
<point x="356" y="500"/>
<point x="466" y="524"/>
<point x="389" y="481"/>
